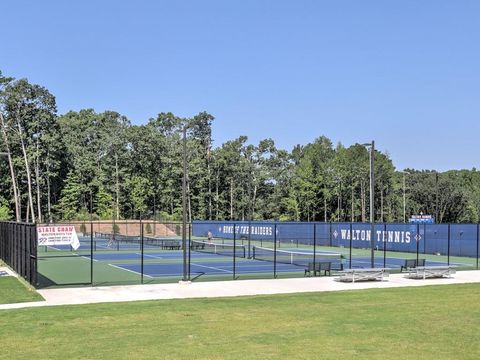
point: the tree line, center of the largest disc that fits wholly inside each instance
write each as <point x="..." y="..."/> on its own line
<point x="84" y="164"/>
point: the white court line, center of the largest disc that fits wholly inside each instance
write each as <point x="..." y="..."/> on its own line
<point x="87" y="258"/>
<point x="132" y="271"/>
<point x="152" y="256"/>
<point x="213" y="268"/>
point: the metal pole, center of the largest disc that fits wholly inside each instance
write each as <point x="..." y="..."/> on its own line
<point x="448" y="245"/>
<point x="436" y="197"/>
<point x="372" y="209"/>
<point x="249" y="238"/>
<point x="478" y="231"/>
<point x="314" y="245"/>
<point x="234" y="246"/>
<point x="275" y="252"/>
<point x="404" y="200"/>
<point x="91" y="241"/>
<point x="141" y="249"/>
<point x="384" y="246"/>
<point x="417" y="239"/>
<point x="350" y="245"/>
<point x="184" y="204"/>
<point x="189" y="249"/>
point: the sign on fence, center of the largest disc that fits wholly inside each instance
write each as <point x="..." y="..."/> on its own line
<point x="58" y="235"/>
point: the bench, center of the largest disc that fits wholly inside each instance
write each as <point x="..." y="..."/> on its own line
<point x="325" y="266"/>
<point x="171" y="245"/>
<point x="429" y="272"/>
<point x="353" y="275"/>
<point x="412" y="263"/>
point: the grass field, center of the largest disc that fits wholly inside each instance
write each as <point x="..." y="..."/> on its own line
<point x="13" y="290"/>
<point x="432" y="322"/>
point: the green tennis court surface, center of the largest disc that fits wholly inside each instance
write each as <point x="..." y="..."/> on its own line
<point x="126" y="261"/>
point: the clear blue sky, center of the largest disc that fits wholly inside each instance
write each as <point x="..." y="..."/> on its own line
<point x="404" y="73"/>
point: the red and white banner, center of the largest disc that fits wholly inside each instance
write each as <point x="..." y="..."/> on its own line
<point x="58" y="235"/>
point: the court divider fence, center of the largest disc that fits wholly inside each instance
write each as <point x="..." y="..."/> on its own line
<point x="143" y="252"/>
<point x="18" y="248"/>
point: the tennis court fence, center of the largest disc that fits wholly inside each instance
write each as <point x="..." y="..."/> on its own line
<point x="147" y="251"/>
<point x="18" y="248"/>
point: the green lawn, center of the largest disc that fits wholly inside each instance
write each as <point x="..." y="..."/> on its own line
<point x="13" y="290"/>
<point x="432" y="322"/>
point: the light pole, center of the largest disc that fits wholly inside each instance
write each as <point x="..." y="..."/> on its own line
<point x="371" y="147"/>
<point x="184" y="206"/>
<point x="436" y="197"/>
<point x="404" y="197"/>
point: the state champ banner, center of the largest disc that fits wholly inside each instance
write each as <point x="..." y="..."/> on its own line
<point x="58" y="235"/>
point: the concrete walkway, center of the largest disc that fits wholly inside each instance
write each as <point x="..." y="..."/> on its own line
<point x="87" y="295"/>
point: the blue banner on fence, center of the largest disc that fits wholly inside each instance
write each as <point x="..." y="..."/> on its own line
<point x="440" y="239"/>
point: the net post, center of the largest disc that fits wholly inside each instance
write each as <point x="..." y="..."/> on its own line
<point x="275" y="251"/>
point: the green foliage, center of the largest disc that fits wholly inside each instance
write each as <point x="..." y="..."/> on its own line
<point x="5" y="210"/>
<point x="104" y="204"/>
<point x="116" y="229"/>
<point x="140" y="190"/>
<point x="84" y="161"/>
<point x="70" y="200"/>
<point x="83" y="229"/>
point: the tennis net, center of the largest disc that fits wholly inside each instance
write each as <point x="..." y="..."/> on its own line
<point x="293" y="257"/>
<point x="219" y="249"/>
<point x="117" y="239"/>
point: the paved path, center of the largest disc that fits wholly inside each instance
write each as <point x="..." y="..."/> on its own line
<point x="69" y="296"/>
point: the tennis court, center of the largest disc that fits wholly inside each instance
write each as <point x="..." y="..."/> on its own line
<point x="100" y="260"/>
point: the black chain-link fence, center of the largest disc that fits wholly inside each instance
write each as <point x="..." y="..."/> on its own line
<point x="18" y="249"/>
<point x="133" y="252"/>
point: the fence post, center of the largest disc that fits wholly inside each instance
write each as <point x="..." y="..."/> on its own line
<point x="141" y="250"/>
<point x="275" y="252"/>
<point x="91" y="252"/>
<point x="330" y="234"/>
<point x="351" y="230"/>
<point x="249" y="237"/>
<point x="234" y="244"/>
<point x="417" y="239"/>
<point x="384" y="240"/>
<point x="478" y="230"/>
<point x="189" y="249"/>
<point x="448" y="245"/>
<point x="314" y="245"/>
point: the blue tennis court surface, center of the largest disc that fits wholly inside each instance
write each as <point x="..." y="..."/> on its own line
<point x="208" y="268"/>
<point x="164" y="263"/>
<point x="208" y="264"/>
